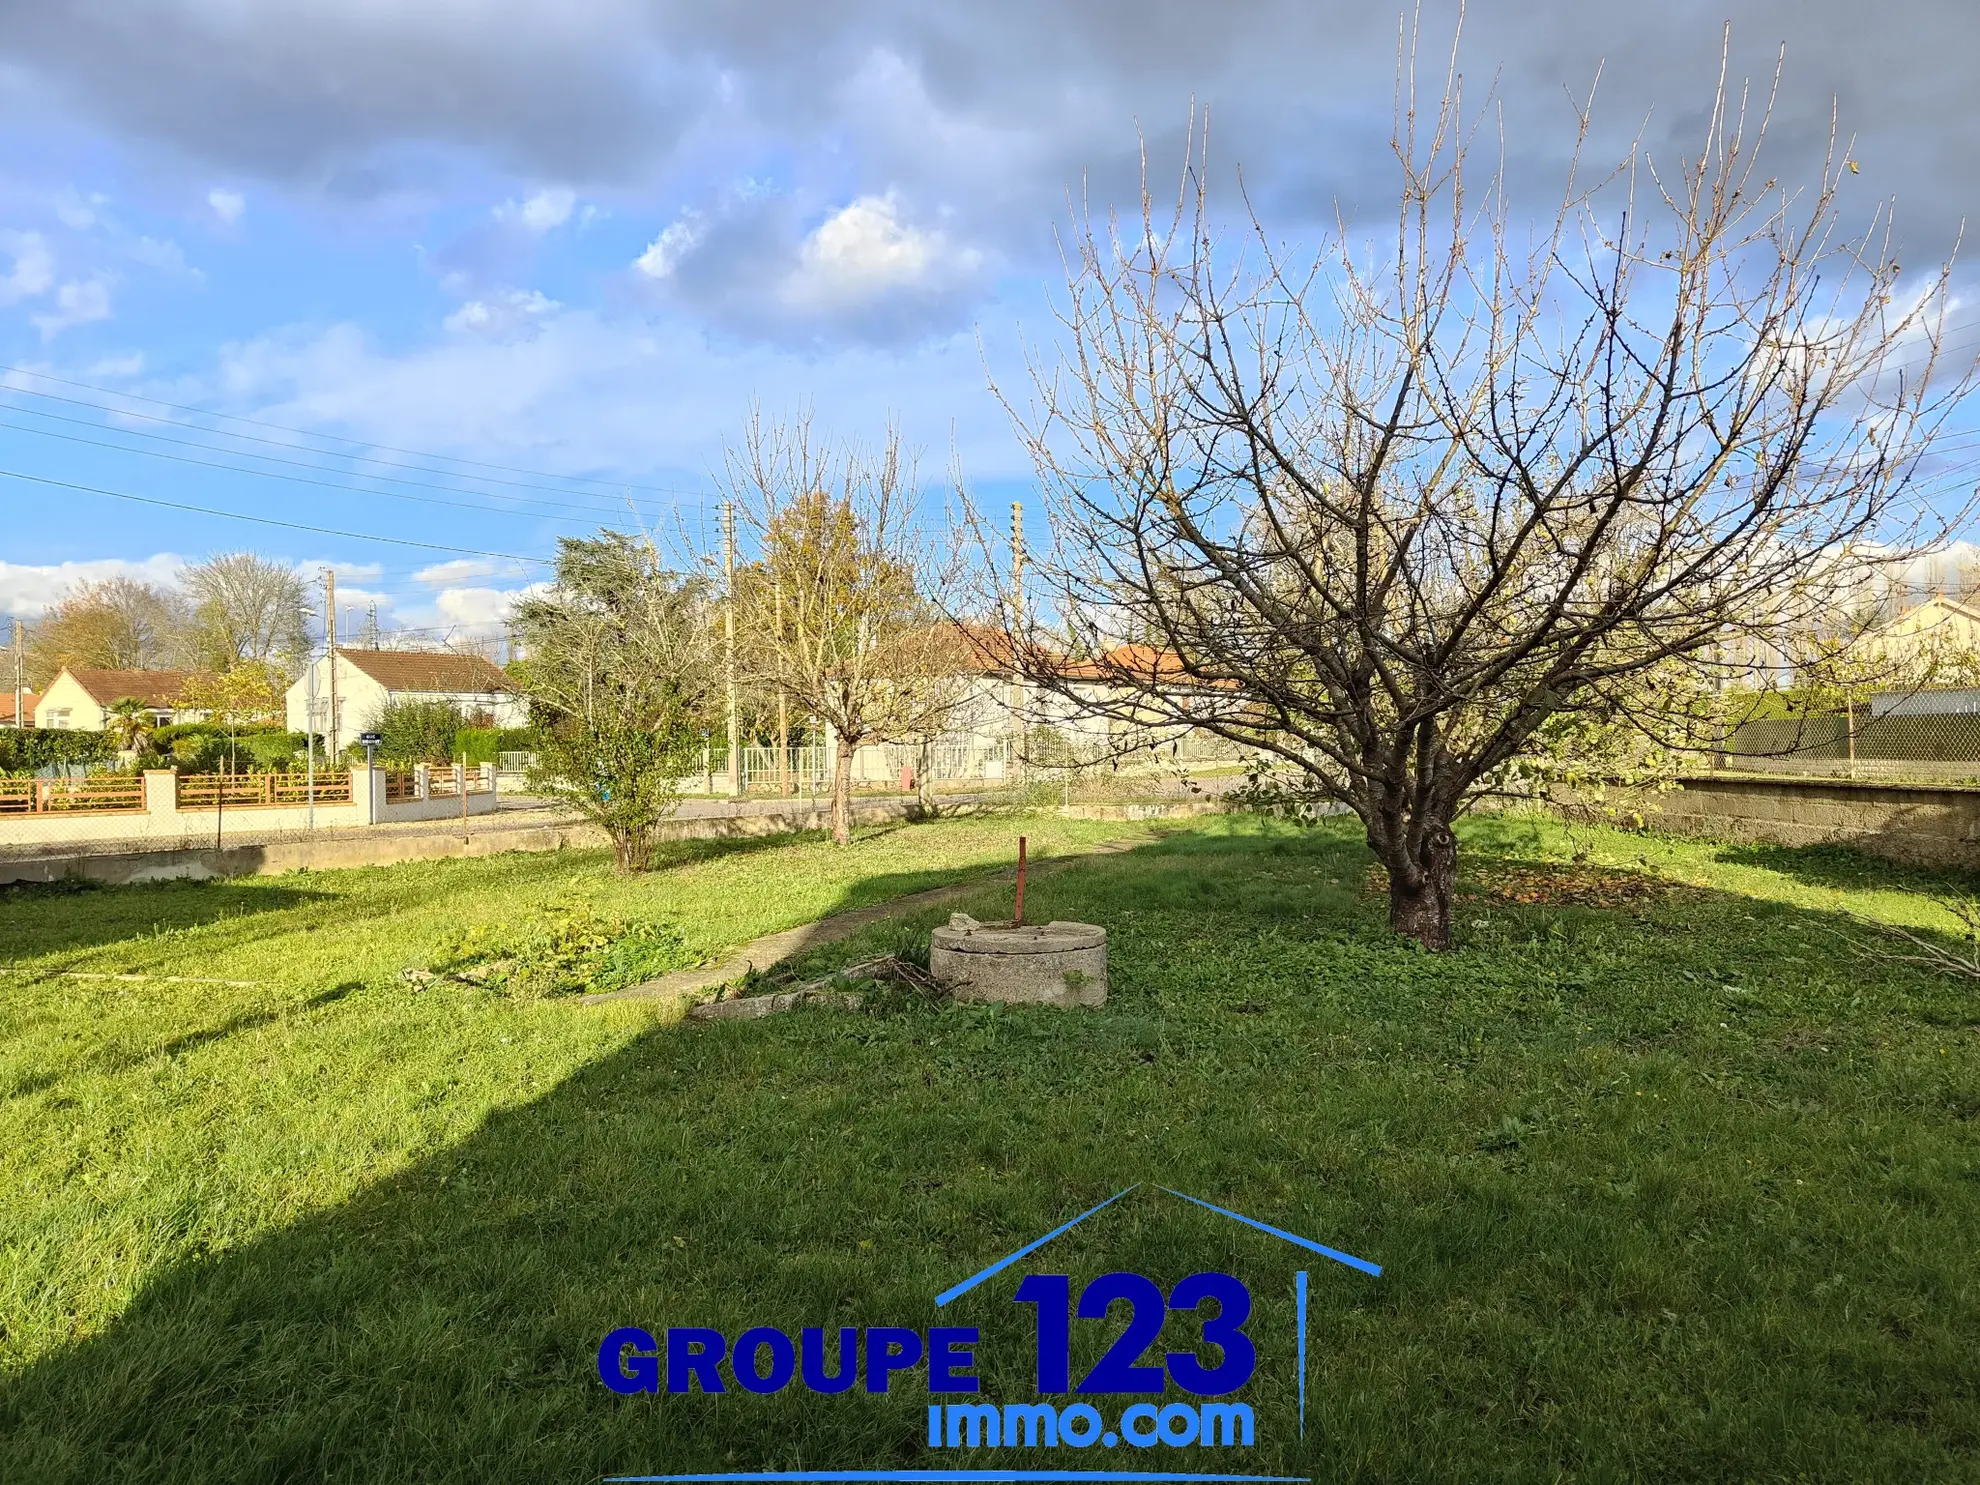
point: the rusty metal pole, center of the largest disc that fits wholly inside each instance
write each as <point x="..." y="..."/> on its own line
<point x="1017" y="913"/>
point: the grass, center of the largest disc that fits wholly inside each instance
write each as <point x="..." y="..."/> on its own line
<point x="1668" y="1180"/>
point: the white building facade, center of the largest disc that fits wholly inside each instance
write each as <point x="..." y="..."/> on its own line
<point x="353" y="688"/>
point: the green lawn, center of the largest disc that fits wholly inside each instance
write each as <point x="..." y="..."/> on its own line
<point x="1667" y="1179"/>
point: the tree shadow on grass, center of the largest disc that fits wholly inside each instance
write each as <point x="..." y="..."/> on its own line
<point x="1841" y="867"/>
<point x="38" y="920"/>
<point x="823" y="1170"/>
<point x="444" y="1325"/>
<point x="112" y="1061"/>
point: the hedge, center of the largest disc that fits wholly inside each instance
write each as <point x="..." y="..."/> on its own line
<point x="26" y="750"/>
<point x="485" y="744"/>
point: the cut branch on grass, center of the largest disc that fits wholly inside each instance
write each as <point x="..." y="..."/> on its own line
<point x="1895" y="944"/>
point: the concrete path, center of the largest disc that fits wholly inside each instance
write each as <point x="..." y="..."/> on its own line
<point x="774" y="948"/>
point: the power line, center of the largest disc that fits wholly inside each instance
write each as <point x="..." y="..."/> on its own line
<point x="326" y="437"/>
<point x="591" y="511"/>
<point x="293" y="478"/>
<point x="205" y="510"/>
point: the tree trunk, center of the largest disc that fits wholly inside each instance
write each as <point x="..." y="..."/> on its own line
<point x="1420" y="890"/>
<point x="632" y="848"/>
<point x="842" y="784"/>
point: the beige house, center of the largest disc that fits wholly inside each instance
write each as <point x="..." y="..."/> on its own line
<point x="1931" y="633"/>
<point x="79" y="699"/>
<point x="368" y="681"/>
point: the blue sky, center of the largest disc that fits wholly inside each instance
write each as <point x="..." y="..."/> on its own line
<point x="574" y="243"/>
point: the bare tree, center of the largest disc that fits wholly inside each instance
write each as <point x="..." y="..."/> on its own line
<point x="843" y="611"/>
<point x="1383" y="511"/>
<point x="245" y="607"/>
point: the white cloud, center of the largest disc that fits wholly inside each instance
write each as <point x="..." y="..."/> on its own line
<point x="503" y="313"/>
<point x="163" y="254"/>
<point x="547" y="209"/>
<point x="34" y="266"/>
<point x="480" y="612"/>
<point x="28" y="589"/>
<point x="459" y="570"/>
<point x="865" y="250"/>
<point x="115" y="368"/>
<point x="227" y="205"/>
<point x="76" y="211"/>
<point x="590" y="394"/>
<point x="665" y="252"/>
<point x="78" y="302"/>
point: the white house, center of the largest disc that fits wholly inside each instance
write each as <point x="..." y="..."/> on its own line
<point x="79" y="699"/>
<point x="368" y="681"/>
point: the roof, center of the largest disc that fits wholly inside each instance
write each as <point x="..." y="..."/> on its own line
<point x="1142" y="664"/>
<point x="1938" y="600"/>
<point x="428" y="670"/>
<point x="7" y="706"/>
<point x="159" y="688"/>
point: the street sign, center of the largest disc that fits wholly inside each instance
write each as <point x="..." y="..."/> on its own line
<point x="371" y="739"/>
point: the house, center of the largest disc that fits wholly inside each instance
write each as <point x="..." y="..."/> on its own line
<point x="368" y="681"/>
<point x="79" y="699"/>
<point x="24" y="717"/>
<point x="1931" y="633"/>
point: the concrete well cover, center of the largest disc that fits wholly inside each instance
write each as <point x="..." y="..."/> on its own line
<point x="964" y="935"/>
<point x="1038" y="964"/>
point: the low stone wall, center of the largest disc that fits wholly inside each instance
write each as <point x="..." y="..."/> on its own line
<point x="1918" y="824"/>
<point x="329" y="850"/>
<point x="1150" y="810"/>
<point x="163" y="824"/>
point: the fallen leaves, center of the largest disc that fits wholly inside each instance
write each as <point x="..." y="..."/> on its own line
<point x="1544" y="885"/>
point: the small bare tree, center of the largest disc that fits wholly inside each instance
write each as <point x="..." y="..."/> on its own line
<point x="843" y="610"/>
<point x="1384" y="512"/>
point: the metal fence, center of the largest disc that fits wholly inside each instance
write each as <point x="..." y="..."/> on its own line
<point x="1857" y="744"/>
<point x="205" y="791"/>
<point x="102" y="794"/>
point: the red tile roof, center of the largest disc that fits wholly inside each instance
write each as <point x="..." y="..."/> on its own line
<point x="428" y="670"/>
<point x="7" y="707"/>
<point x="155" y="688"/>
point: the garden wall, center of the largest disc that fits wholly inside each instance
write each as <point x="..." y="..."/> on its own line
<point x="332" y="849"/>
<point x="1919" y="824"/>
<point x="165" y="811"/>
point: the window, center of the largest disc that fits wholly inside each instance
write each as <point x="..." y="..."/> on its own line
<point x="59" y="717"/>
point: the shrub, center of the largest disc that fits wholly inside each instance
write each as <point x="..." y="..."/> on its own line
<point x="487" y="744"/>
<point x="416" y="732"/>
<point x="163" y="738"/>
<point x="25" y="751"/>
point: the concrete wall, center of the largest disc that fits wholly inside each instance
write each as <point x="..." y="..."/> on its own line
<point x="163" y="824"/>
<point x="1918" y="824"/>
<point x="327" y="850"/>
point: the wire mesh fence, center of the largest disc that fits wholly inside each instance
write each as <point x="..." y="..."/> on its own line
<point x="1932" y="748"/>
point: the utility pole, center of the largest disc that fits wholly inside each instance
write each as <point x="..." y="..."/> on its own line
<point x="330" y="649"/>
<point x="20" y="677"/>
<point x="783" y="706"/>
<point x="309" y="735"/>
<point x="729" y="643"/>
<point x="1017" y="635"/>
